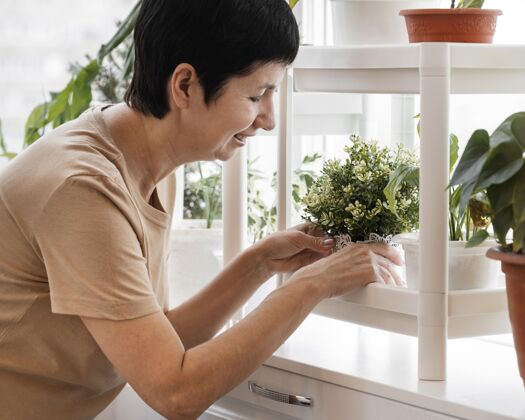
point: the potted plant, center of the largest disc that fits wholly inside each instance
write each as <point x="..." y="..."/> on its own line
<point x="371" y="21"/>
<point x="465" y="21"/>
<point x="348" y="202"/>
<point x="495" y="164"/>
<point x="468" y="267"/>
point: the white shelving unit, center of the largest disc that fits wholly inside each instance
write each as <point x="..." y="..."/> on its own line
<point x="434" y="70"/>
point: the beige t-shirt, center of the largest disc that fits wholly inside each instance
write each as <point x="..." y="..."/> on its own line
<point x="76" y="239"/>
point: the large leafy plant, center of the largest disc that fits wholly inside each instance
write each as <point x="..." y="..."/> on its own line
<point x="495" y="164"/>
<point x="348" y="198"/>
<point x="466" y="223"/>
<point x="77" y="95"/>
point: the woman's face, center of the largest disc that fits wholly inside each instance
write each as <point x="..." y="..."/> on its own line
<point x="244" y="106"/>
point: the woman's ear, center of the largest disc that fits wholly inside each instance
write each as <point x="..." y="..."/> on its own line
<point x="182" y="86"/>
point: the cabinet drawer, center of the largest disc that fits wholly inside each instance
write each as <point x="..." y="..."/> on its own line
<point x="328" y="401"/>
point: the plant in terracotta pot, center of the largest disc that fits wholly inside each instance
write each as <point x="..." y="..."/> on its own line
<point x="464" y="21"/>
<point x="468" y="267"/>
<point x="496" y="164"/>
<point x="347" y="201"/>
<point x="372" y="21"/>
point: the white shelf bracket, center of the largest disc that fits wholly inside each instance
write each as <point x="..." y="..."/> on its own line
<point x="433" y="212"/>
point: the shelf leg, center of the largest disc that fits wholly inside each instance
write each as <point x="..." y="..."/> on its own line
<point x="433" y="213"/>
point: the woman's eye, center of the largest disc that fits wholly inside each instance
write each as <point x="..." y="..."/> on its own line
<point x="255" y="98"/>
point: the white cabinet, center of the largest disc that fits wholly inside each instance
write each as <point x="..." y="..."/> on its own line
<point x="435" y="71"/>
<point x="328" y="401"/>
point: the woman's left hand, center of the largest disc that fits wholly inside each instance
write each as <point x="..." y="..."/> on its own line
<point x="289" y="250"/>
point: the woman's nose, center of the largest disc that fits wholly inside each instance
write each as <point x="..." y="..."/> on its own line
<point x="266" y="117"/>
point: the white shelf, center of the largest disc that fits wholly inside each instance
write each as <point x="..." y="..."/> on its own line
<point x="435" y="71"/>
<point x="395" y="69"/>
<point x="471" y="312"/>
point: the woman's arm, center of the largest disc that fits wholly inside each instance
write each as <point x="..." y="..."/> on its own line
<point x="181" y="384"/>
<point x="198" y="319"/>
<point x="202" y="316"/>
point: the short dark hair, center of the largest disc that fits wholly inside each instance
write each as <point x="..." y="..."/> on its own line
<point x="221" y="39"/>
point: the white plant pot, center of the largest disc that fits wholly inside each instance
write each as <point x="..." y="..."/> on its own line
<point x="344" y="240"/>
<point x="194" y="258"/>
<point x="468" y="268"/>
<point x="373" y="21"/>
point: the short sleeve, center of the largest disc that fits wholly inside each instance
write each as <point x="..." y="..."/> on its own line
<point x="91" y="241"/>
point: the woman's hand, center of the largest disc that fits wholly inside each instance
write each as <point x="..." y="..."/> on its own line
<point x="289" y="250"/>
<point x="354" y="266"/>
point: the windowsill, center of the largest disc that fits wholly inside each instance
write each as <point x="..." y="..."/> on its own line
<point x="482" y="375"/>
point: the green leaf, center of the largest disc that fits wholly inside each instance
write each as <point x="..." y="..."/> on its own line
<point x="466" y="191"/>
<point x="58" y="105"/>
<point x="418" y="127"/>
<point x="518" y="238"/>
<point x="123" y="31"/>
<point x="311" y="158"/>
<point x="518" y="205"/>
<point x="471" y="4"/>
<point x="35" y="121"/>
<point x="403" y="174"/>
<point x="8" y="155"/>
<point x="293" y="3"/>
<point x="502" y="163"/>
<point x="128" y="64"/>
<point x="81" y="94"/>
<point x="473" y="158"/>
<point x="500" y="196"/>
<point x="477" y="238"/>
<point x="504" y="131"/>
<point x="518" y="129"/>
<point x="308" y="180"/>
<point x="502" y="223"/>
<point x="454" y="151"/>
<point x="454" y="198"/>
<point x="295" y="193"/>
<point x="2" y="140"/>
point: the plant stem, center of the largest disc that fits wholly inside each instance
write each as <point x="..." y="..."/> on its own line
<point x="467" y="222"/>
<point x="453" y="4"/>
<point x="206" y="197"/>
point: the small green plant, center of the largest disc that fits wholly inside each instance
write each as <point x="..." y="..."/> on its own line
<point x="348" y="198"/>
<point x="494" y="165"/>
<point x="203" y="194"/>
<point x="467" y="4"/>
<point x="203" y="191"/>
<point x="262" y="218"/>
<point x="463" y="225"/>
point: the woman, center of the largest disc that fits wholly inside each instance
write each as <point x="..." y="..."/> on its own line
<point x="84" y="229"/>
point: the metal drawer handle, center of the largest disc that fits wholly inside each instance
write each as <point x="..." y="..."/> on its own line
<point x="279" y="396"/>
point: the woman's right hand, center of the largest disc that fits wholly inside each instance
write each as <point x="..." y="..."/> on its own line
<point x="355" y="266"/>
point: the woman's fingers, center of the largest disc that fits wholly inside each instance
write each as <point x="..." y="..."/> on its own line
<point x="388" y="251"/>
<point x="392" y="270"/>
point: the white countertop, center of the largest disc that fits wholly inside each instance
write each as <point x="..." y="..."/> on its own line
<point x="482" y="376"/>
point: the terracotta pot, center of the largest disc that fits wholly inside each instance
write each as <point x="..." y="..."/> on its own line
<point x="451" y="25"/>
<point x="513" y="265"/>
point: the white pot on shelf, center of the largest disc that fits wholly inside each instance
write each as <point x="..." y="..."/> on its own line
<point x="468" y="268"/>
<point x="373" y="21"/>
